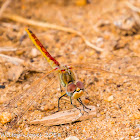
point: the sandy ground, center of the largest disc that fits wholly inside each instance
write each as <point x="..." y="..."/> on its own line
<point x="110" y="25"/>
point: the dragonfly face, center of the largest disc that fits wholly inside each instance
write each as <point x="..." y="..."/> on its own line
<point x="75" y="90"/>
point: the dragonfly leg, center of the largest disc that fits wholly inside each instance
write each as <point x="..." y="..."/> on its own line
<point x="75" y="105"/>
<point x="59" y="100"/>
<point x="61" y="88"/>
<point x="80" y="101"/>
<point x="82" y="105"/>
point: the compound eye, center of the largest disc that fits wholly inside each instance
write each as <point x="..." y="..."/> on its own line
<point x="71" y="88"/>
<point x="80" y="85"/>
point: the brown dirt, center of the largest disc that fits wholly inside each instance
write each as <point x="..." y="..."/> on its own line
<point x="111" y="25"/>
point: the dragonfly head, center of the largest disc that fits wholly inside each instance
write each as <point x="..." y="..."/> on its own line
<point x="75" y="90"/>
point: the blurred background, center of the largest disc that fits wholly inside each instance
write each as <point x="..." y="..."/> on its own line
<point x="90" y="32"/>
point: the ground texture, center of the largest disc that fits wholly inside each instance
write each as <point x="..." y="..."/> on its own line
<point x="110" y="25"/>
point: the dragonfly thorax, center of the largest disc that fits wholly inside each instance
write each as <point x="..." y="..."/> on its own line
<point x="66" y="76"/>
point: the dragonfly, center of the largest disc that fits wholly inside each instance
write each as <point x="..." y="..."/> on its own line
<point x="73" y="87"/>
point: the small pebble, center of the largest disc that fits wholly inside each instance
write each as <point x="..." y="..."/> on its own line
<point x="49" y="107"/>
<point x="34" y="52"/>
<point x="5" y="117"/>
<point x="2" y="86"/>
<point x="86" y="101"/>
<point x="110" y="98"/>
<point x="136" y="116"/>
<point x="72" y="138"/>
<point x="2" y="99"/>
<point x="26" y="86"/>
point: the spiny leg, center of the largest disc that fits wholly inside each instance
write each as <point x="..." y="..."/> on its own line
<point x="61" y="88"/>
<point x="83" y="104"/>
<point x="59" y="100"/>
<point x="75" y="105"/>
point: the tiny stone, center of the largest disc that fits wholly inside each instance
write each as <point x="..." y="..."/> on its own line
<point x="2" y="86"/>
<point x="86" y="101"/>
<point x="110" y="98"/>
<point x="49" y="107"/>
<point x="26" y="86"/>
<point x="2" y="99"/>
<point x="5" y="117"/>
<point x="136" y="115"/>
<point x="34" y="52"/>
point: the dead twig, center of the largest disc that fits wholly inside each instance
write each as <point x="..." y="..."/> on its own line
<point x="134" y="8"/>
<point x="135" y="12"/>
<point x="51" y="26"/>
<point x="4" y="6"/>
<point x="7" y="49"/>
<point x="13" y="60"/>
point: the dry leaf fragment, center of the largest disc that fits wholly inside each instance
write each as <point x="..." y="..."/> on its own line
<point x="65" y="117"/>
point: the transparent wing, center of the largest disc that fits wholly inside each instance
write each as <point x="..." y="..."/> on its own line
<point x="35" y="95"/>
<point x="29" y="91"/>
<point x="116" y="81"/>
<point x="101" y="80"/>
<point x="124" y="67"/>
